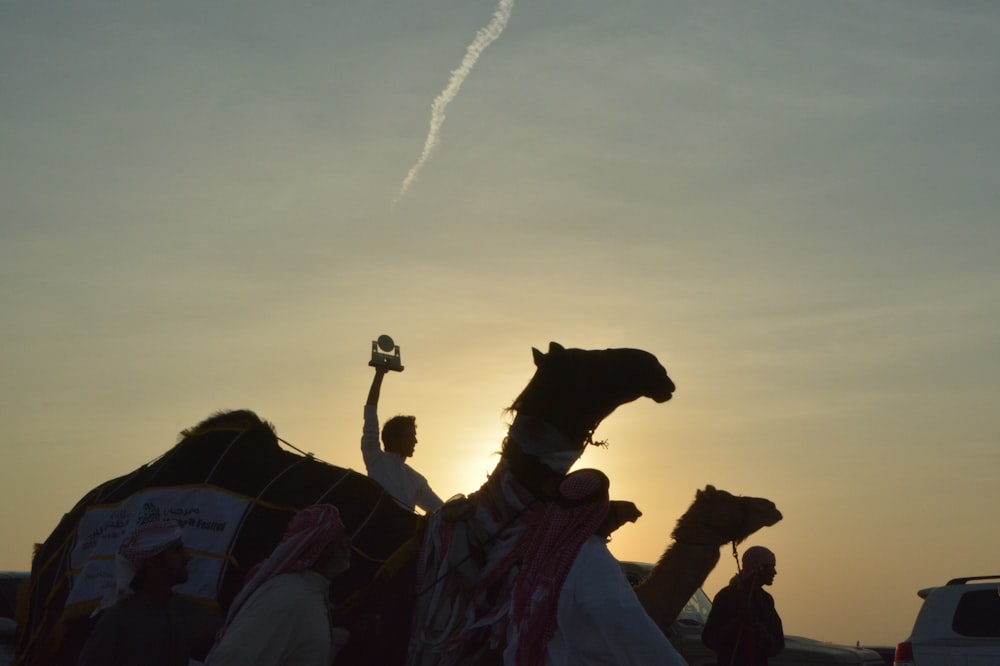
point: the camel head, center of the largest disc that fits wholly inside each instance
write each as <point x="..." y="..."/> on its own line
<point x="573" y="390"/>
<point x="717" y="517"/>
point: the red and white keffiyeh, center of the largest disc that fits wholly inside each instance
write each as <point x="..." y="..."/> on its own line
<point x="548" y="556"/>
<point x="497" y="577"/>
<point x="146" y="542"/>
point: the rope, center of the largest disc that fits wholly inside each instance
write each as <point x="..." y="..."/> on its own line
<point x="259" y="498"/>
<point x="385" y="573"/>
<point x="739" y="634"/>
<point x="223" y="455"/>
<point x="371" y="513"/>
<point x="329" y="490"/>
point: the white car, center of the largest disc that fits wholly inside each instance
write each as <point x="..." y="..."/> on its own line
<point x="957" y="625"/>
<point x="685" y="635"/>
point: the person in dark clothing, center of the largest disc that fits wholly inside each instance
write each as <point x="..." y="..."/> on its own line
<point x="743" y="627"/>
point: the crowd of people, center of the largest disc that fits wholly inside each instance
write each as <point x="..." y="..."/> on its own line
<point x="571" y="605"/>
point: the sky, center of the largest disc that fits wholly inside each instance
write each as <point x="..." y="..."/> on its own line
<point x="793" y="204"/>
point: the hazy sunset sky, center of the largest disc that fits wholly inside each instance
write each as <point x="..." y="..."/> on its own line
<point x="794" y="205"/>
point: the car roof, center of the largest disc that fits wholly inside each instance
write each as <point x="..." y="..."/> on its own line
<point x="977" y="581"/>
<point x="972" y="581"/>
<point x="969" y="579"/>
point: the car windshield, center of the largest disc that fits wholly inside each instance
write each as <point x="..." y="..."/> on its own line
<point x="696" y="609"/>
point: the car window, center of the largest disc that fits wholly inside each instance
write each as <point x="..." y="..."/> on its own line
<point x="978" y="614"/>
<point x="696" y="610"/>
<point x="9" y="582"/>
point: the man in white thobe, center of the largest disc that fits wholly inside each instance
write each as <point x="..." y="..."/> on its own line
<point x="600" y="620"/>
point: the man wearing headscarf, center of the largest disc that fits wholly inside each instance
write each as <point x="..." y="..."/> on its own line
<point x="743" y="627"/>
<point x="572" y="603"/>
<point x="144" y="623"/>
<point x="281" y="616"/>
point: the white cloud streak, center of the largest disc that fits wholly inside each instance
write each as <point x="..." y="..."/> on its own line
<point x="484" y="37"/>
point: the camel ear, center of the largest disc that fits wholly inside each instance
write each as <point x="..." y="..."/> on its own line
<point x="537" y="356"/>
<point x="709" y="489"/>
<point x="554" y="348"/>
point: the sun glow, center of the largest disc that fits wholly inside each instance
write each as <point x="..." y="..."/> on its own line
<point x="462" y="466"/>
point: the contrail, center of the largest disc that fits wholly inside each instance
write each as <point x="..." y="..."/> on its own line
<point x="484" y="37"/>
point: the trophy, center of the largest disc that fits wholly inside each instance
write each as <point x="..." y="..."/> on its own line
<point x="385" y="354"/>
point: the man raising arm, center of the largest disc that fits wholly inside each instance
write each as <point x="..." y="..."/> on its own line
<point x="399" y="436"/>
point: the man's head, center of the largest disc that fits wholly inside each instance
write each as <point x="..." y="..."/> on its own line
<point x="325" y="544"/>
<point x="759" y="564"/>
<point x="152" y="558"/>
<point x="335" y="558"/>
<point x="399" y="435"/>
<point x="315" y="539"/>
